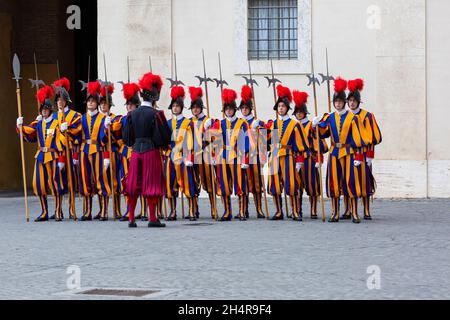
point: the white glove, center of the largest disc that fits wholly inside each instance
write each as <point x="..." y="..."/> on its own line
<point x="64" y="127"/>
<point x="316" y="121"/>
<point x="107" y="122"/>
<point x="244" y="166"/>
<point x="75" y="162"/>
<point x="369" y="161"/>
<point x="357" y="163"/>
<point x="299" y="166"/>
<point x="39" y="118"/>
<point x="318" y="165"/>
<point x="19" y="121"/>
<point x="61" y="165"/>
<point x="208" y="124"/>
<point x="189" y="164"/>
<point x="106" y="163"/>
<point x="255" y="124"/>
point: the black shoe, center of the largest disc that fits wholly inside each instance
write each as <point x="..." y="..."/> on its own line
<point x="156" y="224"/>
<point x="103" y="219"/>
<point x="98" y="216"/>
<point x="186" y="217"/>
<point x="138" y="217"/>
<point x="117" y="217"/>
<point x="237" y="216"/>
<point x="333" y="219"/>
<point x="346" y="217"/>
<point x="144" y="218"/>
<point x="261" y="216"/>
<point x="41" y="219"/>
<point x="276" y="218"/>
<point x="356" y="220"/>
<point x="314" y="217"/>
<point x="367" y="218"/>
<point x="53" y="217"/>
<point x="124" y="218"/>
<point x="192" y="219"/>
<point x="197" y="215"/>
<point x="223" y="219"/>
<point x="58" y="219"/>
<point x="174" y="218"/>
<point x="299" y="218"/>
<point x="247" y="215"/>
<point x="84" y="218"/>
<point x="242" y="218"/>
<point x="132" y="225"/>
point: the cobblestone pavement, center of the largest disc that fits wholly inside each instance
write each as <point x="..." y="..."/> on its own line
<point x="408" y="241"/>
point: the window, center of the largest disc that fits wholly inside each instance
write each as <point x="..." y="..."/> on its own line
<point x="272" y="29"/>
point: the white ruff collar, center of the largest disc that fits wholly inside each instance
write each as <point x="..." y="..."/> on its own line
<point x="92" y="113"/>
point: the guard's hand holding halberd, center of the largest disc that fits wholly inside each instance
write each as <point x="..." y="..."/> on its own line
<point x="189" y="163"/>
<point x="107" y="122"/>
<point x="75" y="162"/>
<point x="208" y="124"/>
<point x="106" y="163"/>
<point x="64" y="127"/>
<point x="19" y="121"/>
<point x="39" y="118"/>
<point x="244" y="166"/>
<point x="369" y="161"/>
<point x="255" y="124"/>
<point x="357" y="163"/>
<point x="316" y="121"/>
<point x="299" y="166"/>
<point x="61" y="166"/>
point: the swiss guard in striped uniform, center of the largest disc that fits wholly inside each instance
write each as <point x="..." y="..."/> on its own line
<point x="345" y="152"/>
<point x="372" y="136"/>
<point x="254" y="175"/>
<point x="105" y="108"/>
<point x="203" y="168"/>
<point x="309" y="173"/>
<point x="131" y="94"/>
<point x="179" y="162"/>
<point x="70" y="124"/>
<point x="288" y="144"/>
<point x="94" y="161"/>
<point x="47" y="176"/>
<point x="232" y="157"/>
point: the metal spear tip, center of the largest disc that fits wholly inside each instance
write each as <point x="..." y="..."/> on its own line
<point x="16" y="67"/>
<point x="250" y="81"/>
<point x="326" y="78"/>
<point x="272" y="81"/>
<point x="312" y="80"/>
<point x="84" y="85"/>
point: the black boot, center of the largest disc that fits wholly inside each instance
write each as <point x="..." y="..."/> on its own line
<point x="156" y="224"/>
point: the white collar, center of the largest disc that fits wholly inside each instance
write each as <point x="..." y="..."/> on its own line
<point x="286" y="117"/>
<point x="343" y="112"/>
<point x="92" y="113"/>
<point x="49" y="119"/>
<point x="304" y="120"/>
<point x="356" y="111"/>
<point x="66" y="109"/>
<point x="178" y="117"/>
<point x="201" y="115"/>
<point x="104" y="113"/>
<point x="249" y="117"/>
<point x="232" y="119"/>
<point x="146" y="104"/>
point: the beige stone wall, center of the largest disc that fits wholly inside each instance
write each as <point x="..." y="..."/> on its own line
<point x="400" y="71"/>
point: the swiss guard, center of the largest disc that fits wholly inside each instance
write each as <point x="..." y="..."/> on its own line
<point x="50" y="160"/>
<point x="345" y="153"/>
<point x="288" y="144"/>
<point x="372" y="136"/>
<point x="232" y="159"/>
<point x="203" y="167"/>
<point x="179" y="160"/>
<point x="147" y="132"/>
<point x="309" y="172"/>
<point x="94" y="160"/>
<point x="254" y="173"/>
<point x="70" y="125"/>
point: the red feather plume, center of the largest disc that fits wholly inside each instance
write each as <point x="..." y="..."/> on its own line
<point x="44" y="93"/>
<point x="110" y="90"/>
<point x="228" y="96"/>
<point x="284" y="92"/>
<point x="62" y="83"/>
<point x="357" y="84"/>
<point x="246" y="94"/>
<point x="94" y="88"/>
<point x="150" y="79"/>
<point x="195" y="93"/>
<point x="340" y="85"/>
<point x="177" y="92"/>
<point x="300" y="97"/>
<point x="130" y="90"/>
